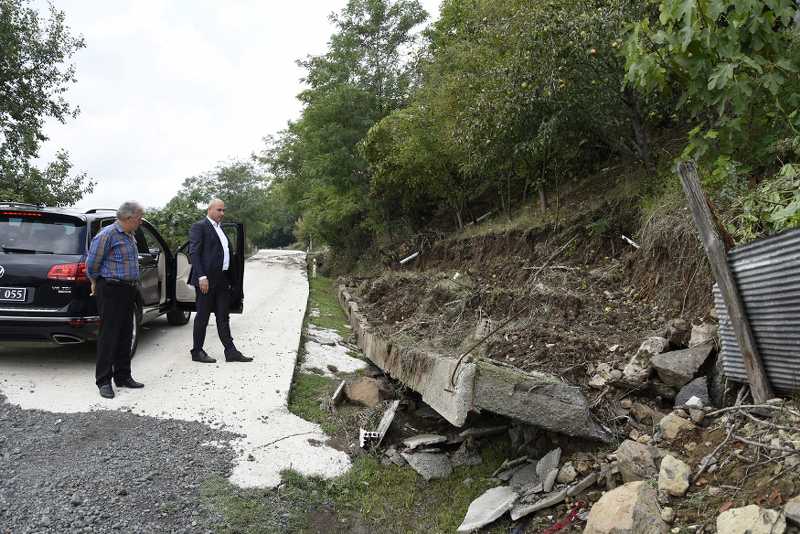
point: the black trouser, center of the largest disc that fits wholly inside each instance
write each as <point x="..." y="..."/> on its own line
<point x="115" y="302"/>
<point x="217" y="300"/>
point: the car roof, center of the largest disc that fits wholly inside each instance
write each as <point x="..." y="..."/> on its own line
<point x="89" y="215"/>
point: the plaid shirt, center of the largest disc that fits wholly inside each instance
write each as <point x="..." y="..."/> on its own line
<point x="113" y="254"/>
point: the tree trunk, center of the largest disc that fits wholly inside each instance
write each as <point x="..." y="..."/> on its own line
<point x="542" y="199"/>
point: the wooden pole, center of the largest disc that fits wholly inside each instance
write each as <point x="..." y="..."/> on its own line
<point x="716" y="250"/>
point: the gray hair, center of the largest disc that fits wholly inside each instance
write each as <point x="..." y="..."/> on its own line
<point x="215" y="201"/>
<point x="129" y="209"/>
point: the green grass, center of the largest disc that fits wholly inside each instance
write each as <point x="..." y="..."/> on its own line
<point x="322" y="296"/>
<point x="308" y="390"/>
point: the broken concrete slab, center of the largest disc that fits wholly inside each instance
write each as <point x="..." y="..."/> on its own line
<point x="429" y="465"/>
<point x="482" y="432"/>
<point x="508" y="464"/>
<point x="466" y="455"/>
<point x="547" y="501"/>
<point x="549" y="480"/>
<point x="703" y="333"/>
<point x="584" y="484"/>
<point x="487" y="508"/>
<point x="337" y="395"/>
<point x="751" y="519"/>
<point x="792" y="510"/>
<point x="423" y="440"/>
<point x="525" y="476"/>
<point x="548" y="463"/>
<point x="679" y="367"/>
<point x="629" y="509"/>
<point x="537" y="399"/>
<point x="386" y="420"/>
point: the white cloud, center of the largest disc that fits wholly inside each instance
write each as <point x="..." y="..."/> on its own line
<point x="168" y="89"/>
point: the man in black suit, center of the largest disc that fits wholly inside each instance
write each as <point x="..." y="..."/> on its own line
<point x="210" y="254"/>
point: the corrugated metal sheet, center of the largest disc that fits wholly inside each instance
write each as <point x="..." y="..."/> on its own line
<point x="767" y="272"/>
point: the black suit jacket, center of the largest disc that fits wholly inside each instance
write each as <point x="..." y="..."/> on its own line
<point x="206" y="254"/>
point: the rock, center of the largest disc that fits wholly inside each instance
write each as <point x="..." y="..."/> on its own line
<point x="703" y="333"/>
<point x="626" y="404"/>
<point x="642" y="413"/>
<point x="368" y="391"/>
<point x="638" y="369"/>
<point x="697" y="416"/>
<point x="792" y="510"/>
<point x="678" y="333"/>
<point x="395" y="457"/>
<point x="488" y="507"/>
<point x="636" y="461"/>
<point x="673" y="426"/>
<point x="696" y="388"/>
<point x="549" y="480"/>
<point x="751" y="519"/>
<point x="466" y="455"/>
<point x="679" y="367"/>
<point x="567" y="474"/>
<point x="547" y="501"/>
<point x="668" y="514"/>
<point x="526" y="476"/>
<point x="602" y="376"/>
<point x="429" y="465"/>
<point x="673" y="476"/>
<point x="548" y="463"/>
<point x="423" y="440"/>
<point x="628" y="509"/>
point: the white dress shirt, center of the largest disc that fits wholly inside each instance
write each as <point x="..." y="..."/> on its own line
<point x="226" y="255"/>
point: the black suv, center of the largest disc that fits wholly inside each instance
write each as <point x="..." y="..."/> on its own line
<point x="44" y="290"/>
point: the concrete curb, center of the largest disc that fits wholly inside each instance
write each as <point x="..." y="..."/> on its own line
<point x="537" y="399"/>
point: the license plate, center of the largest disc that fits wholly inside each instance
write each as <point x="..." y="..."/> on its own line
<point x="12" y="294"/>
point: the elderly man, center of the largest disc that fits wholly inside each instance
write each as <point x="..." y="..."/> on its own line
<point x="113" y="268"/>
<point x="210" y="254"/>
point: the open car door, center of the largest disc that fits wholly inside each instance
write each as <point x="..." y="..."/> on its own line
<point x="184" y="292"/>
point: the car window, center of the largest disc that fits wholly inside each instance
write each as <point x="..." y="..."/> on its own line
<point x="151" y="241"/>
<point x="37" y="232"/>
<point x="141" y="241"/>
<point x="99" y="224"/>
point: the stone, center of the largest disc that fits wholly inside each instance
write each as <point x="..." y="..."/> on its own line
<point x="678" y="333"/>
<point x="679" y="367"/>
<point x="626" y="404"/>
<point x="368" y="391"/>
<point x="628" y="509"/>
<point x="602" y="376"/>
<point x="642" y="413"/>
<point x="466" y="455"/>
<point x="423" y="440"/>
<point x="429" y="465"/>
<point x="639" y="368"/>
<point x="673" y="426"/>
<point x="696" y="388"/>
<point x="703" y="333"/>
<point x="751" y="519"/>
<point x="548" y="463"/>
<point x="636" y="461"/>
<point x="673" y="477"/>
<point x="525" y="476"/>
<point x="549" y="480"/>
<point x="697" y="416"/>
<point x="547" y="501"/>
<point x="792" y="510"/>
<point x="488" y="507"/>
<point x="567" y="474"/>
<point x="668" y="514"/>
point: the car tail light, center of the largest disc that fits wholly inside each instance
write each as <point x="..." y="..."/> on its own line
<point x="75" y="272"/>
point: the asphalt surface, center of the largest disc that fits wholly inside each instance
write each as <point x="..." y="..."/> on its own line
<point x="66" y="454"/>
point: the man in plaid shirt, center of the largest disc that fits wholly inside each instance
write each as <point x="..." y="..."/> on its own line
<point x="113" y="268"/>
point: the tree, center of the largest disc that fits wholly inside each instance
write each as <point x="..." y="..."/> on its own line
<point x="34" y="74"/>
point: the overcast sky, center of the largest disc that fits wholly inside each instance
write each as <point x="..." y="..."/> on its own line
<point x="168" y="89"/>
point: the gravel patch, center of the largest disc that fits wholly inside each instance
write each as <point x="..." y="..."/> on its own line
<point x="107" y="471"/>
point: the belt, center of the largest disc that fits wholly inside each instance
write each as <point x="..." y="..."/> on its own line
<point x="117" y="281"/>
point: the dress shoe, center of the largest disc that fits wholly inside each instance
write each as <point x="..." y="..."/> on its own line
<point x="236" y="356"/>
<point x="106" y="391"/>
<point x="128" y="383"/>
<point x="201" y="356"/>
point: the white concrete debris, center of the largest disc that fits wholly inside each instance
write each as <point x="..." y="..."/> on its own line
<point x="245" y="398"/>
<point x="488" y="507"/>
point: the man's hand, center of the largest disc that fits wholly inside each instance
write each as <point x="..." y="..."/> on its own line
<point x="203" y="285"/>
<point x="94" y="287"/>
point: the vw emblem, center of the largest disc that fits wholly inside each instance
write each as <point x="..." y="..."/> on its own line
<point x="2" y="271"/>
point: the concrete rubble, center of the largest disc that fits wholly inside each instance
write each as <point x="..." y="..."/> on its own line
<point x="488" y="507"/>
<point x="751" y="519"/>
<point x="678" y="368"/>
<point x="630" y="509"/>
<point x="429" y="465"/>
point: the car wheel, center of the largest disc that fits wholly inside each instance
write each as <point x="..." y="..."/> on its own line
<point x="136" y="325"/>
<point x="178" y="317"/>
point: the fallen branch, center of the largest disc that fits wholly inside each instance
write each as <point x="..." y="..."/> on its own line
<point x="754" y="407"/>
<point x="765" y="445"/>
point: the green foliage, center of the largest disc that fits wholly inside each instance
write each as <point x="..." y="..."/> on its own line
<point x="733" y="66"/>
<point x="242" y="186"/>
<point x="34" y="74"/>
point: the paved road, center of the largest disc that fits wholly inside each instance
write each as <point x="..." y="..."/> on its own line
<point x="249" y="399"/>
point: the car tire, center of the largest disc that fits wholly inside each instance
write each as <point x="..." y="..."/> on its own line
<point x="137" y="328"/>
<point x="178" y="317"/>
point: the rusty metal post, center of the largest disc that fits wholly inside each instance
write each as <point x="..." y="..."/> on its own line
<point x="716" y="251"/>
